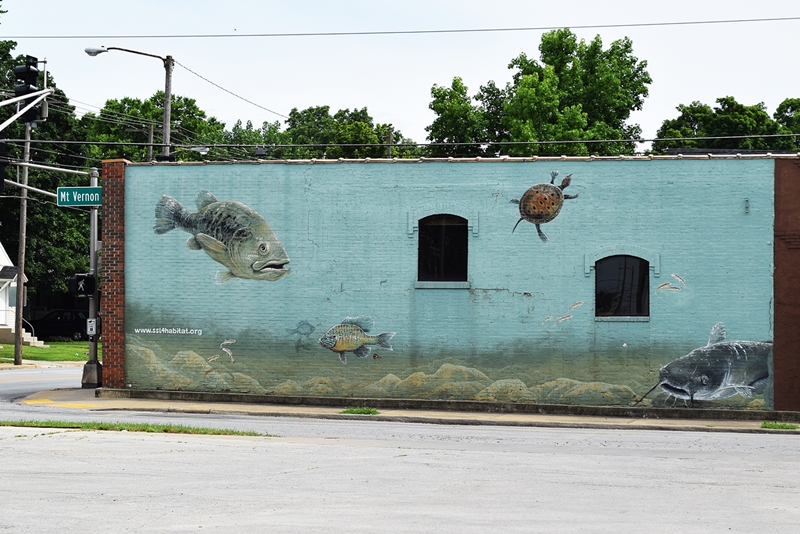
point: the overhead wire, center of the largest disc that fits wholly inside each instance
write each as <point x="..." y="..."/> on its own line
<point x="410" y="32"/>
<point x="230" y="92"/>
<point x="462" y="143"/>
<point x="133" y="121"/>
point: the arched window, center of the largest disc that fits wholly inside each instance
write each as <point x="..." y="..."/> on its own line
<point x="442" y="249"/>
<point x="622" y="287"/>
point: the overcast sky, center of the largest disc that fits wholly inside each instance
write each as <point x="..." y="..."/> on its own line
<point x="392" y="75"/>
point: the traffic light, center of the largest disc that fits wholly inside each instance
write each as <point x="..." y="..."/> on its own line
<point x="28" y="74"/>
<point x="82" y="285"/>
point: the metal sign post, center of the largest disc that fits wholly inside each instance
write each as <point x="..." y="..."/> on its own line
<point x="92" y="369"/>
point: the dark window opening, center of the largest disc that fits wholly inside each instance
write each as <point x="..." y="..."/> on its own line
<point x="442" y="253"/>
<point x="622" y="286"/>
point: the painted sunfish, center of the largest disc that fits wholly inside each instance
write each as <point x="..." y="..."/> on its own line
<point x="228" y="231"/>
<point x="351" y="336"/>
<point x="719" y="370"/>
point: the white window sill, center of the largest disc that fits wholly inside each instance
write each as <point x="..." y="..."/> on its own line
<point x="441" y="285"/>
<point x="621" y="319"/>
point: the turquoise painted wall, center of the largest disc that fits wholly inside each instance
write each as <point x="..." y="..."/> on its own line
<point x="349" y="230"/>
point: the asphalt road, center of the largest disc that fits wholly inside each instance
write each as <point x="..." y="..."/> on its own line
<point x="369" y="476"/>
<point x="19" y="383"/>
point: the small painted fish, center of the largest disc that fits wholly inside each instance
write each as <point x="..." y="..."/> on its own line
<point x="211" y="359"/>
<point x="227" y="342"/>
<point x="548" y="318"/>
<point x="679" y="279"/>
<point x="575" y="305"/>
<point x="376" y="356"/>
<point x="228" y="352"/>
<point x="351" y="336"/>
<point x="663" y="286"/>
<point x="564" y="318"/>
<point x="672" y="288"/>
<point x="303" y="328"/>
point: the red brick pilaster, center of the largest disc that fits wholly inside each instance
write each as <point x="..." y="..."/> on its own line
<point x="787" y="286"/>
<point x="113" y="273"/>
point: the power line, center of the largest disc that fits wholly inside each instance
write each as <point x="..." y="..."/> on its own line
<point x="230" y="92"/>
<point x="407" y="32"/>
<point x="465" y="143"/>
<point x="124" y="119"/>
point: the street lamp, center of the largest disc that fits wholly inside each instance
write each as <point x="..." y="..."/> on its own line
<point x="168" y="64"/>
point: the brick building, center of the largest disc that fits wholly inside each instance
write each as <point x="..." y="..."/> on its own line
<point x="674" y="271"/>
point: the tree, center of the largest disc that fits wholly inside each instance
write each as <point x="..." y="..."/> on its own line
<point x="130" y="120"/>
<point x="492" y="101"/>
<point x="534" y="113"/>
<point x="325" y="133"/>
<point x="728" y="119"/>
<point x="788" y="116"/>
<point x="575" y="91"/>
<point x="57" y="239"/>
<point x="458" y="120"/>
<point x="268" y="135"/>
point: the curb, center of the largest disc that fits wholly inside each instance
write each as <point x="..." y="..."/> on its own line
<point x="457" y="406"/>
<point x="438" y="420"/>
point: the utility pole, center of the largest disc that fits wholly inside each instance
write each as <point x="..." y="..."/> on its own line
<point x="389" y="144"/>
<point x="23" y="215"/>
<point x="150" y="143"/>
<point x="167" y="104"/>
<point x="149" y="131"/>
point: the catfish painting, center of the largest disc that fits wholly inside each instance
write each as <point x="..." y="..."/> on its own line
<point x="719" y="370"/>
<point x="230" y="233"/>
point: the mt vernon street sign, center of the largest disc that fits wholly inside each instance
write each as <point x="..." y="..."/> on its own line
<point x="80" y="196"/>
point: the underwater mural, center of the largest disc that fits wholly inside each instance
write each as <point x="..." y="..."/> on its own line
<point x="542" y="203"/>
<point x="719" y="370"/>
<point x="230" y="233"/>
<point x="520" y="327"/>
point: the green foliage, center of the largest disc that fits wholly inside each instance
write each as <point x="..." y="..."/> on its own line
<point x="729" y="118"/>
<point x="130" y="120"/>
<point x="788" y="116"/>
<point x="492" y="101"/>
<point x="58" y="351"/>
<point x="268" y="134"/>
<point x="457" y="121"/>
<point x="316" y="127"/>
<point x="360" y="411"/>
<point x="780" y="426"/>
<point x="131" y="427"/>
<point x="575" y="91"/>
<point x="57" y="238"/>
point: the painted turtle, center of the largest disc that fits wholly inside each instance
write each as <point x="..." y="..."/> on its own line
<point x="542" y="202"/>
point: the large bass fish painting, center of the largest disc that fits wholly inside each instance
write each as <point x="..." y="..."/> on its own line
<point x="719" y="370"/>
<point x="230" y="233"/>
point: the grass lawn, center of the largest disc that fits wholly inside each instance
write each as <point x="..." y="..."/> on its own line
<point x="133" y="427"/>
<point x="59" y="351"/>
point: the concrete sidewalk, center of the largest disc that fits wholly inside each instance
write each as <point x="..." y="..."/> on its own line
<point x="85" y="399"/>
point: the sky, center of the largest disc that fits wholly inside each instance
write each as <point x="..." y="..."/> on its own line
<point x="392" y="75"/>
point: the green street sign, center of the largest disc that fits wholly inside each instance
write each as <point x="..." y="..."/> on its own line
<point x="80" y="196"/>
